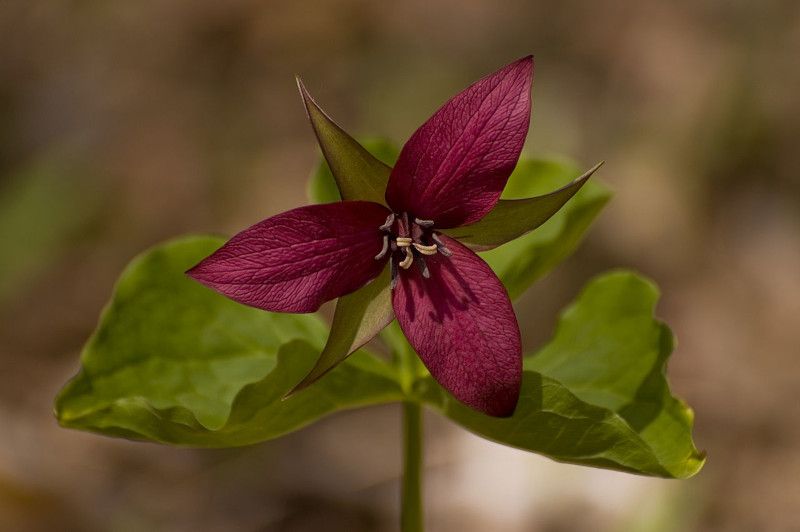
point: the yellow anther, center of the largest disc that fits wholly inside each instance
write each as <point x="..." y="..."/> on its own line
<point x="403" y="242"/>
<point x="425" y="250"/>
<point x="406" y="264"/>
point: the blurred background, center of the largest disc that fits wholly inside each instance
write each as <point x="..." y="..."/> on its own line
<point x="125" y="123"/>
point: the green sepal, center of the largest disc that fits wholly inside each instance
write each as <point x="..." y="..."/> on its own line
<point x="322" y="188"/>
<point x="358" y="175"/>
<point x="520" y="262"/>
<point x="359" y="316"/>
<point x="510" y="219"/>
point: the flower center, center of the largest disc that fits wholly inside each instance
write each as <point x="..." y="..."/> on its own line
<point x="407" y="242"/>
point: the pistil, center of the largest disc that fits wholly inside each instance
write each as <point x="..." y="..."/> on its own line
<point x="409" y="242"/>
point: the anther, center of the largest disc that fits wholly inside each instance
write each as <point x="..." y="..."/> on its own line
<point x="440" y="246"/>
<point x="389" y="221"/>
<point x="406" y="263"/>
<point x="384" y="249"/>
<point x="425" y="250"/>
<point x="423" y="223"/>
<point x="403" y="241"/>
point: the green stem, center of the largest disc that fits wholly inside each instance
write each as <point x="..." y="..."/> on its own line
<point x="411" y="517"/>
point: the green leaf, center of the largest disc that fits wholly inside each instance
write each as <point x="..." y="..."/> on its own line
<point x="173" y="361"/>
<point x="521" y="262"/>
<point x="322" y="185"/>
<point x="510" y="219"/>
<point x="359" y="316"/>
<point x="358" y="175"/>
<point x="596" y="394"/>
<point x="551" y="421"/>
<point x="611" y="352"/>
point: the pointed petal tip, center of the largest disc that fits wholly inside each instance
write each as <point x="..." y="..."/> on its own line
<point x="527" y="59"/>
<point x="191" y="272"/>
<point x="525" y="65"/>
<point x="195" y="272"/>
<point x="204" y="273"/>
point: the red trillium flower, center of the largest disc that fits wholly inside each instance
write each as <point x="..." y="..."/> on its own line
<point x="449" y="303"/>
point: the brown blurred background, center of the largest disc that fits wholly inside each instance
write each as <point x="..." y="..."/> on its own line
<point x="125" y="123"/>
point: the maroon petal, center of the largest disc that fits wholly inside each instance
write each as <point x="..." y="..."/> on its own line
<point x="453" y="168"/>
<point x="461" y="324"/>
<point x="295" y="261"/>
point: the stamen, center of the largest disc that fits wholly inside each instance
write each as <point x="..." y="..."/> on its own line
<point x="393" y="270"/>
<point x="400" y="235"/>
<point x="425" y="250"/>
<point x="423" y="268"/>
<point x="389" y="221"/>
<point x="406" y="263"/>
<point x="385" y="248"/>
<point x="440" y="245"/>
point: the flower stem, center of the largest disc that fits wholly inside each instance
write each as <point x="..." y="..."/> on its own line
<point x="411" y="517"/>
